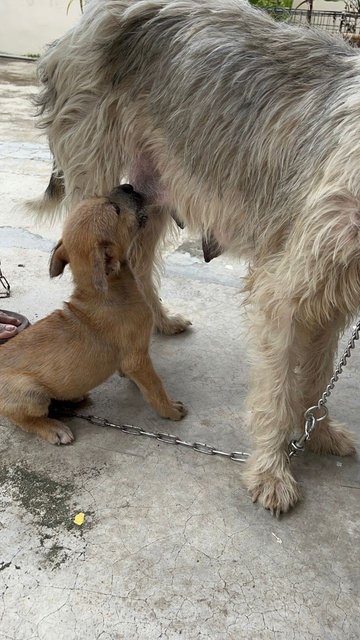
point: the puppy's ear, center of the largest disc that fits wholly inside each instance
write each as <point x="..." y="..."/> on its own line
<point x="105" y="262"/>
<point x="58" y="261"/>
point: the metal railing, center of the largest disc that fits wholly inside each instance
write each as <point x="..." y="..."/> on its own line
<point x="345" y="22"/>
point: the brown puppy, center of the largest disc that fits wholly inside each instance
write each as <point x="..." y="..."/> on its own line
<point x="106" y="325"/>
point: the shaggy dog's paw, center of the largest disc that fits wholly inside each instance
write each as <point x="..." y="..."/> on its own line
<point x="57" y="433"/>
<point x="276" y="491"/>
<point x="276" y="495"/>
<point x="175" y="411"/>
<point x="171" y="325"/>
<point x="333" y="438"/>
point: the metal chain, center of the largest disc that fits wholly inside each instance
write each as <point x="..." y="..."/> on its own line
<point x="313" y="415"/>
<point x="4" y="285"/>
<point x="318" y="412"/>
<point x="167" y="438"/>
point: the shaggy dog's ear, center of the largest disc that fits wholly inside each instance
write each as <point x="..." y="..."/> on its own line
<point x="105" y="262"/>
<point x="58" y="261"/>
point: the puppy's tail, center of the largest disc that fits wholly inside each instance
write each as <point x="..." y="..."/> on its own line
<point x="50" y="203"/>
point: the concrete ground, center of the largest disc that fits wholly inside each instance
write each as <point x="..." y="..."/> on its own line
<point x="171" y="546"/>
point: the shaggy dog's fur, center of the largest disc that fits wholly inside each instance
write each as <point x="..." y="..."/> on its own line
<point x="248" y="129"/>
<point x="105" y="326"/>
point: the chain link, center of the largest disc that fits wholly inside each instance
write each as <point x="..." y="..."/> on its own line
<point x="167" y="438"/>
<point x="4" y="285"/>
<point x="318" y="412"/>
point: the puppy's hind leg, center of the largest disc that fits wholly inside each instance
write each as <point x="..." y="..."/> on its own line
<point x="53" y="431"/>
<point x="26" y="404"/>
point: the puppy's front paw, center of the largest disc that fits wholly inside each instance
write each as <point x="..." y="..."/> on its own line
<point x="171" y="325"/>
<point x="57" y="433"/>
<point x="175" y="411"/>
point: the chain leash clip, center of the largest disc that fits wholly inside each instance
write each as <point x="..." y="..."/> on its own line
<point x="298" y="446"/>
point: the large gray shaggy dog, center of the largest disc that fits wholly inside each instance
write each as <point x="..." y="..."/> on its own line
<point x="249" y="130"/>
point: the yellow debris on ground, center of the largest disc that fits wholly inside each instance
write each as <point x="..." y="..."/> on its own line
<point x="79" y="518"/>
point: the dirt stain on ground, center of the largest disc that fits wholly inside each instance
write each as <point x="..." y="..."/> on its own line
<point x="46" y="500"/>
<point x="57" y="555"/>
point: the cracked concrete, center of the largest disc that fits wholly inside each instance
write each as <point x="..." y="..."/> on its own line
<point x="172" y="546"/>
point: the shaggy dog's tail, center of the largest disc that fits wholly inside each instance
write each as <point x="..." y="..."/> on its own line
<point x="50" y="202"/>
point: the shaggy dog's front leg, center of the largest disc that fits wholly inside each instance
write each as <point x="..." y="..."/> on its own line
<point x="274" y="401"/>
<point x="145" y="260"/>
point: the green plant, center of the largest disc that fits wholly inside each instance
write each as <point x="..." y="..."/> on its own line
<point x="272" y="3"/>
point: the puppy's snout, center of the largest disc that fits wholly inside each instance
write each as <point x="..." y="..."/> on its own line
<point x="123" y="188"/>
<point x="127" y="193"/>
<point x="127" y="188"/>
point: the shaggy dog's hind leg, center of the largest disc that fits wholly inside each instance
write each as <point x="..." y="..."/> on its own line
<point x="315" y="371"/>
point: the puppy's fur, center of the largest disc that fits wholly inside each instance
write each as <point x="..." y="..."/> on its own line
<point x="250" y="130"/>
<point x="105" y="326"/>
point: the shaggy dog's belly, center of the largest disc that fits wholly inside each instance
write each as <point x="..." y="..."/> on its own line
<point x="146" y="179"/>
